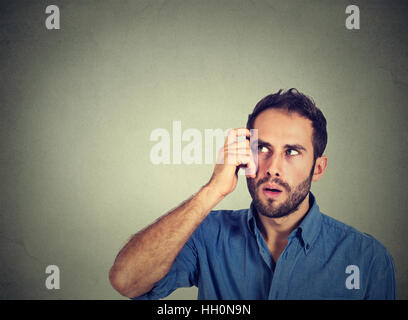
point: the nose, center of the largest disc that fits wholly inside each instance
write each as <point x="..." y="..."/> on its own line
<point x="273" y="166"/>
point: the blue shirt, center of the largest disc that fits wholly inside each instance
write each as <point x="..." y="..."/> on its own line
<point x="227" y="258"/>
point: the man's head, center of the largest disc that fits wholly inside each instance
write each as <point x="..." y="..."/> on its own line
<point x="292" y="137"/>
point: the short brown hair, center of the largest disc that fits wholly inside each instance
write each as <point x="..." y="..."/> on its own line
<point x="295" y="101"/>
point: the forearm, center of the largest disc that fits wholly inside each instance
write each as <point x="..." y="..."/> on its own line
<point x="150" y="253"/>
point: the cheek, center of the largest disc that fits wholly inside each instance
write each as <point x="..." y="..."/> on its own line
<point x="296" y="166"/>
<point x="301" y="171"/>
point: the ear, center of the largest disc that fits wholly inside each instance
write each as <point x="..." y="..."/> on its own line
<point x="320" y="168"/>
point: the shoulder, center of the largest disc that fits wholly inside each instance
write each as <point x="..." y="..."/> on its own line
<point x="340" y="235"/>
<point x="227" y="217"/>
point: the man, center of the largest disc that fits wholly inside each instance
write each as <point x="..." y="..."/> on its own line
<point x="282" y="247"/>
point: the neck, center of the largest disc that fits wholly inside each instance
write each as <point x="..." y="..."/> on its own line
<point x="276" y="230"/>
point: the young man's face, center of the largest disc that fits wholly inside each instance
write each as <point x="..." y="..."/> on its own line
<point x="285" y="162"/>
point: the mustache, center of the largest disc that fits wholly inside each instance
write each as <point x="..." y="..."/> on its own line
<point x="276" y="181"/>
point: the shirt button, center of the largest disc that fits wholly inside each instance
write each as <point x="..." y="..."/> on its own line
<point x="307" y="247"/>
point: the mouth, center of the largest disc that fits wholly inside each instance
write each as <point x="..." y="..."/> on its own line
<point x="272" y="192"/>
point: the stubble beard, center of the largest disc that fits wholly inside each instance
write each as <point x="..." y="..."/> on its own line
<point x="290" y="205"/>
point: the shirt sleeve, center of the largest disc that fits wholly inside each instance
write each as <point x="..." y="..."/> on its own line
<point x="183" y="273"/>
<point x="382" y="284"/>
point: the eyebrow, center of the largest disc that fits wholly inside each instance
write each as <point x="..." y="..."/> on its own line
<point x="295" y="146"/>
<point x="287" y="146"/>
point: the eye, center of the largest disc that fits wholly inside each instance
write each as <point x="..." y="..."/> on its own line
<point x="292" y="152"/>
<point x="262" y="149"/>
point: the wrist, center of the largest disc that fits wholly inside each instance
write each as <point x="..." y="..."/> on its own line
<point x="209" y="196"/>
<point x="214" y="192"/>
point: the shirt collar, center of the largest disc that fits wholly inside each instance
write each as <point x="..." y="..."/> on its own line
<point x="308" y="230"/>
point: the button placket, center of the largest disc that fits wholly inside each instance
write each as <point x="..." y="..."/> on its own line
<point x="278" y="280"/>
<point x="265" y="254"/>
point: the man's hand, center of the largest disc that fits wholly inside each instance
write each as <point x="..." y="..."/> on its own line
<point x="235" y="154"/>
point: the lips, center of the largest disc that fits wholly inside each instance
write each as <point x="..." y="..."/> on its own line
<point x="272" y="191"/>
<point x="272" y="188"/>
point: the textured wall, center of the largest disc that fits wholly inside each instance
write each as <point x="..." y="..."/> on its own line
<point x="77" y="106"/>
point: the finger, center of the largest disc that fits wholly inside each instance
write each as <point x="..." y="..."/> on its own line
<point x="237" y="159"/>
<point x="235" y="133"/>
<point x="242" y="159"/>
<point x="243" y="144"/>
<point x="245" y="151"/>
<point x="230" y="156"/>
<point x="233" y="155"/>
<point x="239" y="146"/>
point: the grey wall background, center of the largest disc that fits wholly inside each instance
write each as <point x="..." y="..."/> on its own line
<point x="78" y="106"/>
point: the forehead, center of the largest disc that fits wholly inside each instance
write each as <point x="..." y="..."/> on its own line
<point x="277" y="126"/>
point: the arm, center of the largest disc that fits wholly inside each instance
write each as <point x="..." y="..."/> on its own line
<point x="150" y="253"/>
<point x="381" y="279"/>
